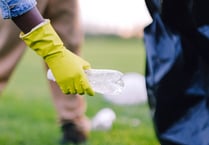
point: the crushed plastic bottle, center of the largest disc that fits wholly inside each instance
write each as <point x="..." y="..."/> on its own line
<point x="103" y="81"/>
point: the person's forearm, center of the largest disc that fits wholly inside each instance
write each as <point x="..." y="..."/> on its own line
<point x="29" y="20"/>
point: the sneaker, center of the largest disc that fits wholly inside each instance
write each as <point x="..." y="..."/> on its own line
<point x="72" y="134"/>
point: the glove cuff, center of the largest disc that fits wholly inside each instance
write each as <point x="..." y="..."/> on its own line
<point x="43" y="39"/>
<point x="23" y="35"/>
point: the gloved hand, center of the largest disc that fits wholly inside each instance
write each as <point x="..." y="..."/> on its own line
<point x="67" y="68"/>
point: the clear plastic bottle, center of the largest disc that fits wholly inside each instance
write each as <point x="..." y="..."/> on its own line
<point x="103" y="81"/>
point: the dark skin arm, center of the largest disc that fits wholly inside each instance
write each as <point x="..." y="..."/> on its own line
<point x="28" y="20"/>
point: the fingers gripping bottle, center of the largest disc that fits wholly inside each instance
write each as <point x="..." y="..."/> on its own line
<point x="103" y="81"/>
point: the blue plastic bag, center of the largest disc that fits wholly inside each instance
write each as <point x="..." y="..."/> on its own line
<point x="177" y="79"/>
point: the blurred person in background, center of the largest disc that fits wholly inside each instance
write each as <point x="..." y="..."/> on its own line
<point x="177" y="70"/>
<point x="64" y="17"/>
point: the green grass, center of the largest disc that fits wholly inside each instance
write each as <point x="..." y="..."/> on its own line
<point x="126" y="55"/>
<point x="27" y="115"/>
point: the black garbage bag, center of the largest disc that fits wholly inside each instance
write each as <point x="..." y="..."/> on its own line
<point x="177" y="71"/>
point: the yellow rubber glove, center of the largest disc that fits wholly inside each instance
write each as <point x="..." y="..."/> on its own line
<point x="67" y="68"/>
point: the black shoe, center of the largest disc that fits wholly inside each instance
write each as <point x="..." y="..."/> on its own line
<point x="72" y="134"/>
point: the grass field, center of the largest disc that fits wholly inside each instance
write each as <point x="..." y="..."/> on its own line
<point x="27" y="115"/>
